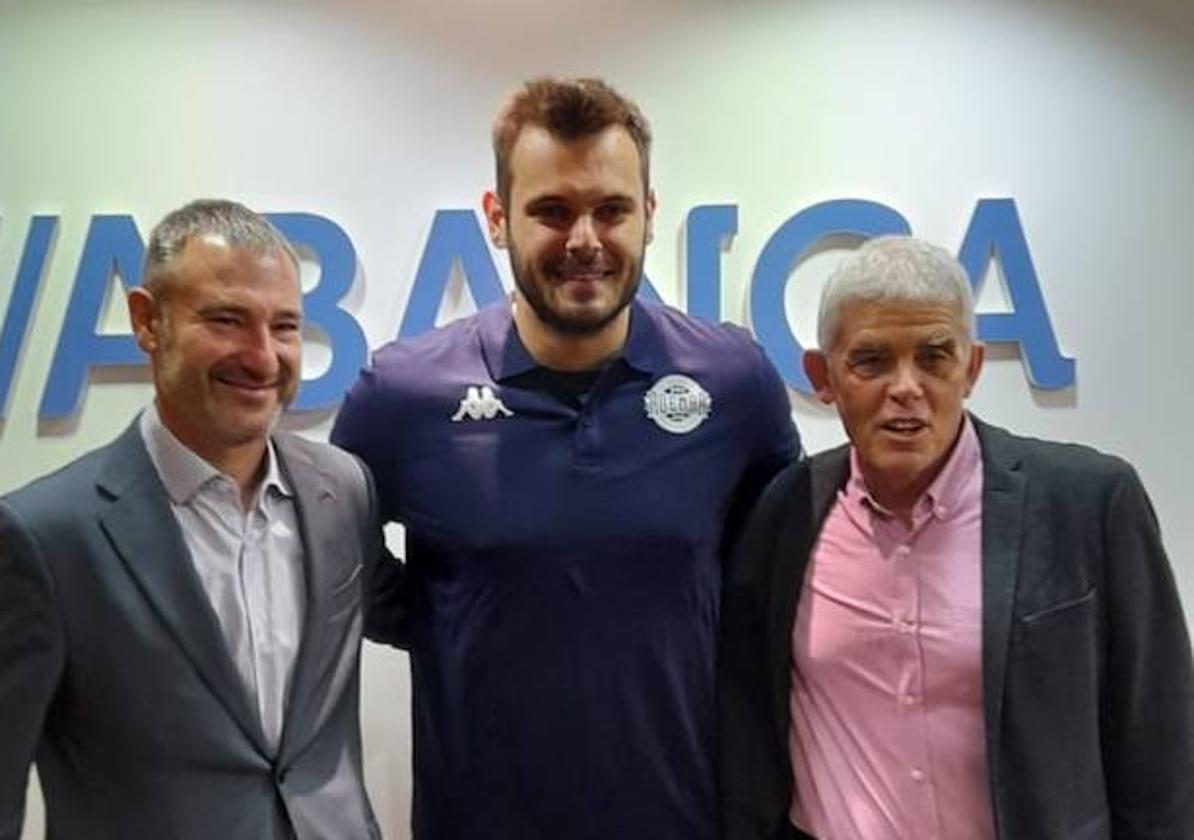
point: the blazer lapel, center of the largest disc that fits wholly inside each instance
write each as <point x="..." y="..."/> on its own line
<point x="145" y="535"/>
<point x="807" y="508"/>
<point x="1004" y="495"/>
<point x="318" y="528"/>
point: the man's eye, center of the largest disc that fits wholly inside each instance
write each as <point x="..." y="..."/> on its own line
<point x="867" y="365"/>
<point x="551" y="213"/>
<point x="935" y="355"/>
<point x="222" y="320"/>
<point x="609" y="213"/>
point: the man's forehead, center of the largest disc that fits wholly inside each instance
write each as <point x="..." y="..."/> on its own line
<point x="213" y="253"/>
<point x="609" y="159"/>
<point x="210" y="264"/>
<point x="882" y="323"/>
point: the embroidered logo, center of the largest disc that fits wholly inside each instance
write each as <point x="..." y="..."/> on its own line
<point x="480" y="403"/>
<point x="677" y="404"/>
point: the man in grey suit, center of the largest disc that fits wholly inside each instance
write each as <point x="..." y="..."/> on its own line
<point x="944" y="630"/>
<point x="180" y="610"/>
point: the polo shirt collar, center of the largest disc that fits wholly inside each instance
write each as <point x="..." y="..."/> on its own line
<point x="504" y="353"/>
<point x="644" y="350"/>
<point x="506" y="356"/>
<point x="184" y="473"/>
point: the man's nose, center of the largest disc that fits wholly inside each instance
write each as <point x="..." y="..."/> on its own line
<point x="905" y="382"/>
<point x="258" y="350"/>
<point x="582" y="236"/>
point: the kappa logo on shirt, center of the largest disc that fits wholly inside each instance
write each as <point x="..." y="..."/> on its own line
<point x="480" y="403"/>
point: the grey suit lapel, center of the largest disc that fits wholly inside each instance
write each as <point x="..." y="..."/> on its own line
<point x="315" y="509"/>
<point x="146" y="537"/>
<point x="1004" y="495"/>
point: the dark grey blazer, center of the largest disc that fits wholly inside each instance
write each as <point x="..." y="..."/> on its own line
<point x="115" y="677"/>
<point x="1088" y="686"/>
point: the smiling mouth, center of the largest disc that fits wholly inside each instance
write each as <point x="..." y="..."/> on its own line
<point x="246" y="386"/>
<point x="587" y="275"/>
<point x="589" y="270"/>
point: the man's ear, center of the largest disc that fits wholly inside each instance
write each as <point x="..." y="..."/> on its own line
<point x="495" y="218"/>
<point x="143" y="316"/>
<point x="816" y="368"/>
<point x="649" y="205"/>
<point x="974" y="365"/>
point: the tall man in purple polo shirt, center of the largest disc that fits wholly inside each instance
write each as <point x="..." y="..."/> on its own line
<point x="943" y="631"/>
<point x="564" y="463"/>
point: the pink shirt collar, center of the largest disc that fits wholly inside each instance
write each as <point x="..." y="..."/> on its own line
<point x="942" y="497"/>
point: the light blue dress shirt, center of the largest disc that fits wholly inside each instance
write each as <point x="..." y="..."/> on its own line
<point x="249" y="562"/>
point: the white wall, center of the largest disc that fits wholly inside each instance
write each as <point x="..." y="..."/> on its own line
<point x="377" y="114"/>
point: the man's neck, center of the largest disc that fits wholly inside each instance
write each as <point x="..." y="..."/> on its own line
<point x="244" y="463"/>
<point x="900" y="494"/>
<point x="553" y="349"/>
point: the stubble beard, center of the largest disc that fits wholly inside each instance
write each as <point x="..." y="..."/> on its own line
<point x="528" y="279"/>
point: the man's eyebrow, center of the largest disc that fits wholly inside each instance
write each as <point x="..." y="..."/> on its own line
<point x="219" y="307"/>
<point x="596" y="198"/>
<point x="940" y="340"/>
<point x="227" y="308"/>
<point x="867" y="346"/>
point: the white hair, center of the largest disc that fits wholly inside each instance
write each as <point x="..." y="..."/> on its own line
<point x="896" y="269"/>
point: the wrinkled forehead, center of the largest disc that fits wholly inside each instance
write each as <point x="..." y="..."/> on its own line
<point x="889" y="321"/>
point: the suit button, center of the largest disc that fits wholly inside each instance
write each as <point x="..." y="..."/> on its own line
<point x="281" y="775"/>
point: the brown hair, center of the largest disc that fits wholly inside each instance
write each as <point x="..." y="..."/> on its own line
<point x="568" y="109"/>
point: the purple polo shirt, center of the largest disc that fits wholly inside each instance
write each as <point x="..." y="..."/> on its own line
<point x="563" y="568"/>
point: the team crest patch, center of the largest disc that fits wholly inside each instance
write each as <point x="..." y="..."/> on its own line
<point x="677" y="404"/>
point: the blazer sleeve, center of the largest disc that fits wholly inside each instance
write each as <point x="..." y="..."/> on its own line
<point x="1148" y="716"/>
<point x="385" y="583"/>
<point x="754" y="782"/>
<point x="32" y="656"/>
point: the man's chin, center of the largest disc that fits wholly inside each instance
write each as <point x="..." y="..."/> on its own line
<point x="582" y="317"/>
<point x="248" y="423"/>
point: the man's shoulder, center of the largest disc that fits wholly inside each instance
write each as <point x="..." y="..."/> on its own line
<point x="328" y="459"/>
<point x="451" y="344"/>
<point x="690" y="333"/>
<point x="723" y="358"/>
<point x="830" y="465"/>
<point x="66" y="492"/>
<point x="1058" y="462"/>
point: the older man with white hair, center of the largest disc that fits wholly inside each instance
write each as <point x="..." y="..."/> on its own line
<point x="943" y="630"/>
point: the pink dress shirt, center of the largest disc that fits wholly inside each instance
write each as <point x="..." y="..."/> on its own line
<point x="887" y="735"/>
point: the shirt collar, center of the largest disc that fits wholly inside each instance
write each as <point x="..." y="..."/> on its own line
<point x="506" y="356"/>
<point x="184" y="473"/>
<point x="943" y="496"/>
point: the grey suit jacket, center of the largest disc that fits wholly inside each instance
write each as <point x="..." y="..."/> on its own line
<point x="1088" y="686"/>
<point x="115" y="677"/>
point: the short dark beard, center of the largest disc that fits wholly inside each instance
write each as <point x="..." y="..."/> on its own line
<point x="566" y="326"/>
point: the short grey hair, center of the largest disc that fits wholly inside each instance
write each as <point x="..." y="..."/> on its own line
<point x="239" y="226"/>
<point x="896" y="269"/>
